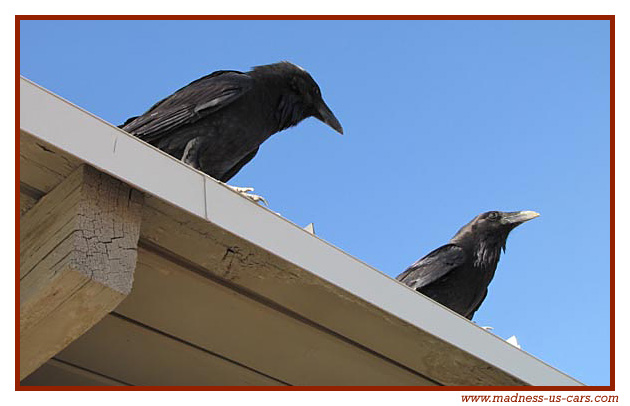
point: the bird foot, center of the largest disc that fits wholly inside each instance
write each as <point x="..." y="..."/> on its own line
<point x="244" y="191"/>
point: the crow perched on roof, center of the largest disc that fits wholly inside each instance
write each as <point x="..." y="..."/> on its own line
<point x="457" y="274"/>
<point x="217" y="123"/>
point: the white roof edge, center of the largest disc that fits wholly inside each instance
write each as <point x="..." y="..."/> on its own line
<point x="104" y="146"/>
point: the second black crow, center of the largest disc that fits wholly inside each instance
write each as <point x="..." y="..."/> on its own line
<point x="457" y="274"/>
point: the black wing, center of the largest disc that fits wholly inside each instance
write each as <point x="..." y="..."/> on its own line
<point x="202" y="97"/>
<point x="433" y="266"/>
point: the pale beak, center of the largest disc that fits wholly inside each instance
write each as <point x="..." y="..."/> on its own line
<point x="519" y="217"/>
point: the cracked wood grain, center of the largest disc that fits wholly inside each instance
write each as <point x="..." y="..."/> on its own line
<point x="78" y="251"/>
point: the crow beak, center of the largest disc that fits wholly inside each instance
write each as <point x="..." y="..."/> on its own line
<point x="518" y="217"/>
<point x="326" y="116"/>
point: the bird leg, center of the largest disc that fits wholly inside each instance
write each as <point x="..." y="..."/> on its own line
<point x="243" y="191"/>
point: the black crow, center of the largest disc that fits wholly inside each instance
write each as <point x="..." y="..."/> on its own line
<point x="217" y="123"/>
<point x="457" y="274"/>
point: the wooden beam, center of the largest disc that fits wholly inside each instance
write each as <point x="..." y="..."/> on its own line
<point x="223" y="256"/>
<point x="130" y="353"/>
<point x="208" y="314"/>
<point x="78" y="250"/>
<point x="59" y="373"/>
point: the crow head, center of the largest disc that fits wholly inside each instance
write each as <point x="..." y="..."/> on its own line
<point x="307" y="90"/>
<point x="300" y="97"/>
<point x="487" y="233"/>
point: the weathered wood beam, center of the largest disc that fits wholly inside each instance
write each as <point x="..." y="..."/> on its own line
<point x="59" y="373"/>
<point x="28" y="198"/>
<point x="78" y="250"/>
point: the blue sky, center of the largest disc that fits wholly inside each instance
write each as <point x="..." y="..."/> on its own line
<point x="443" y="120"/>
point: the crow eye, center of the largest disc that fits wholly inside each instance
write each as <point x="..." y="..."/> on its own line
<point x="493" y="215"/>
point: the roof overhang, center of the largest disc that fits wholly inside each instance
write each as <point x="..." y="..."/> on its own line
<point x="242" y="250"/>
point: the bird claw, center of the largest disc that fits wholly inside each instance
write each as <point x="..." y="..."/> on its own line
<point x="244" y="191"/>
<point x="241" y="190"/>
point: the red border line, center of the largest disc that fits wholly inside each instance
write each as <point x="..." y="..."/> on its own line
<point x="17" y="202"/>
<point x="327" y="388"/>
<point x="612" y="202"/>
<point x="610" y="18"/>
<point x="314" y="17"/>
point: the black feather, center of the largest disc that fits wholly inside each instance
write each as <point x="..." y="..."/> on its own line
<point x="221" y="119"/>
<point x="457" y="274"/>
